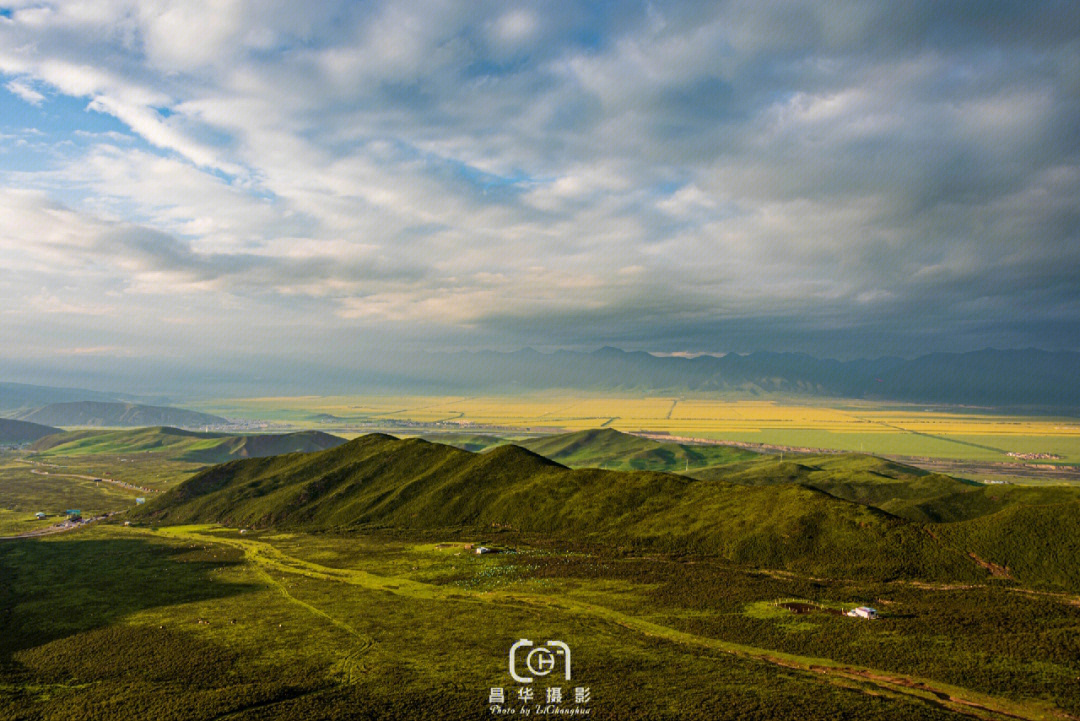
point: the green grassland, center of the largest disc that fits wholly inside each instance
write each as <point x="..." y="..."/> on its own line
<point x="353" y="593"/>
<point x="13" y="523"/>
<point x="197" y="623"/>
<point x="22" y="494"/>
<point x="159" y="456"/>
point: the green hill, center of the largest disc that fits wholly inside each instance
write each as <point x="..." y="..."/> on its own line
<point x="465" y="441"/>
<point x="990" y="500"/>
<point x="181" y="445"/>
<point x="611" y="449"/>
<point x="258" y="446"/>
<point x="379" y="481"/>
<point x="1034" y="544"/>
<point x="14" y="432"/>
<point x="898" y="489"/>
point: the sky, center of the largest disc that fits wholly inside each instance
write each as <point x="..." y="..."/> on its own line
<point x="291" y="186"/>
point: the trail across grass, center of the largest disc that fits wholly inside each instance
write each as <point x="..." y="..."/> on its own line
<point x="270" y="560"/>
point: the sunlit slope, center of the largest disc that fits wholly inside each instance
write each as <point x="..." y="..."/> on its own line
<point x="611" y="449"/>
<point x="901" y="490"/>
<point x="868" y="480"/>
<point x="182" y="445"/>
<point x="378" y="481"/>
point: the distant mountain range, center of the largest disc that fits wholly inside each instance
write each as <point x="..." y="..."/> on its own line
<point x="98" y="413"/>
<point x="23" y="396"/>
<point x="1029" y="378"/>
<point x="14" y="432"/>
<point x="989" y="377"/>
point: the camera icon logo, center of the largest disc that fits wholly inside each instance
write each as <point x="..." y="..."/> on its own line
<point x="539" y="661"/>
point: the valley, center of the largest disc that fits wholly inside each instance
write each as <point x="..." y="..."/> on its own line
<point x="942" y="433"/>
<point x="348" y="577"/>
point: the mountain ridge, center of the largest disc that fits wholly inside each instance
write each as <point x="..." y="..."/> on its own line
<point x="104" y="413"/>
<point x="381" y="482"/>
<point x="990" y="377"/>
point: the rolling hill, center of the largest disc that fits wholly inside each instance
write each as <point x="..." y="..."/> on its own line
<point x="466" y="441"/>
<point x="1032" y="543"/>
<point x="98" y="413"/>
<point x="614" y="450"/>
<point x="182" y="445"/>
<point x="14" y="432"/>
<point x="996" y="523"/>
<point x="898" y="489"/>
<point x="377" y="481"/>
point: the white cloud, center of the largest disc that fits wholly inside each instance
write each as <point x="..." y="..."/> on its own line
<point x="453" y="162"/>
<point x="24" y="91"/>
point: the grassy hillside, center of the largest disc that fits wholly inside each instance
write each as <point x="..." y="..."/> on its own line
<point x="473" y="442"/>
<point x="611" y="449"/>
<point x="1030" y="543"/>
<point x="182" y="445"/>
<point x="899" y="489"/>
<point x="893" y="487"/>
<point x="379" y="481"/>
<point x="989" y="500"/>
<point x="98" y="413"/>
<point x="14" y="432"/>
<point x="257" y="446"/>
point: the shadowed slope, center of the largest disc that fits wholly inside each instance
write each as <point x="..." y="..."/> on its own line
<point x="15" y="432"/>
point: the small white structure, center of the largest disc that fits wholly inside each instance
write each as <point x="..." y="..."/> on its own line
<point x="139" y="501"/>
<point x="863" y="612"/>
<point x="481" y="550"/>
<point x="39" y="515"/>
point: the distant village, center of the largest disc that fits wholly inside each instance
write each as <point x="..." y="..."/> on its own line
<point x="1035" y="456"/>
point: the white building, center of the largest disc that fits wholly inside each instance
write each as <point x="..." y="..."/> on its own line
<point x="863" y="612"/>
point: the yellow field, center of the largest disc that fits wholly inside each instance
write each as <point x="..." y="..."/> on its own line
<point x="850" y="425"/>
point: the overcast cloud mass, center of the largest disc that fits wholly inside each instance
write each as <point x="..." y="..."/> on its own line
<point x="193" y="183"/>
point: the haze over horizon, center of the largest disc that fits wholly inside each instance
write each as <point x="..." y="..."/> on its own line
<point x="206" y="189"/>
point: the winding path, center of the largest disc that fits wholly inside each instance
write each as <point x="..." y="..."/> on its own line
<point x="863" y="679"/>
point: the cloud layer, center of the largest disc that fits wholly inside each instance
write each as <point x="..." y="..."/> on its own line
<point x="846" y="178"/>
